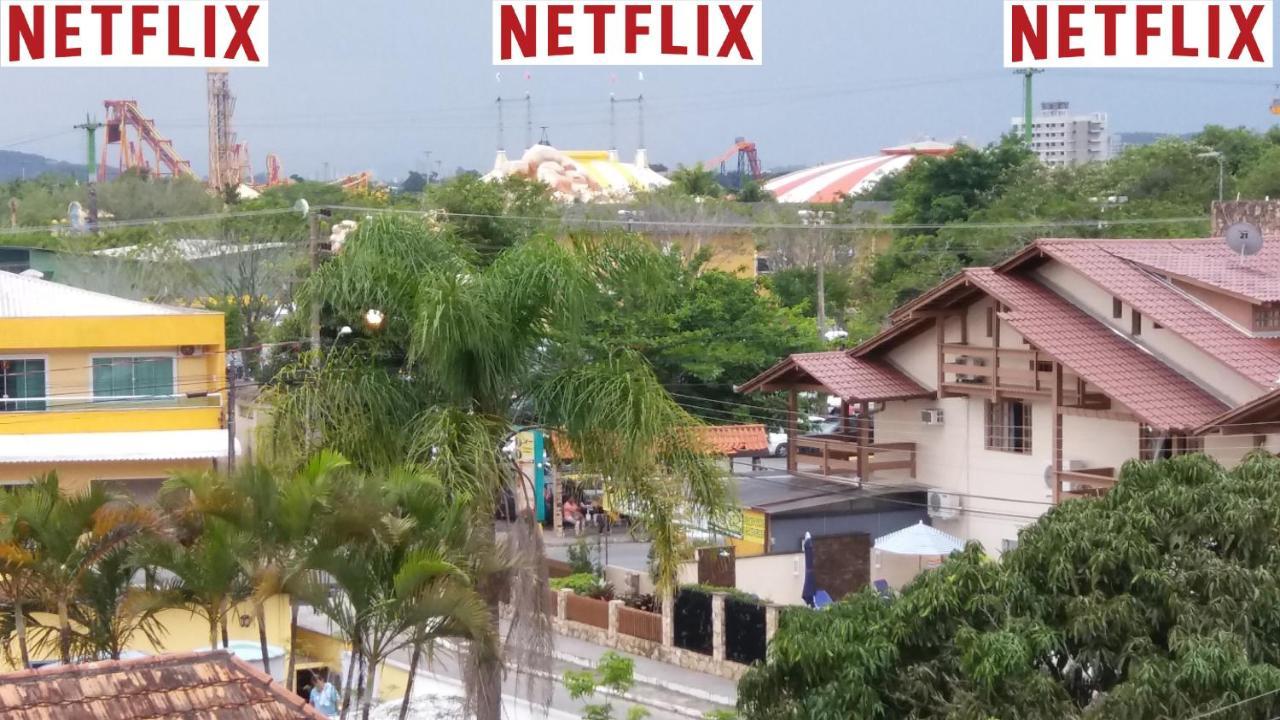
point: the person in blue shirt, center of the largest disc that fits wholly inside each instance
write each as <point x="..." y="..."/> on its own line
<point x="323" y="695"/>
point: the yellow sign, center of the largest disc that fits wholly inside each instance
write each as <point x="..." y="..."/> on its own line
<point x="754" y="527"/>
<point x="750" y="533"/>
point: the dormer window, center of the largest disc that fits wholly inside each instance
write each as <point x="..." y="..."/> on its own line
<point x="1266" y="317"/>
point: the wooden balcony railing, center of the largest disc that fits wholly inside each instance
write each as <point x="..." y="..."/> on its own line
<point x="841" y="456"/>
<point x="1086" y="483"/>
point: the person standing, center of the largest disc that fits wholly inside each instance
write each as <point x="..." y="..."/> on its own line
<point x="324" y="696"/>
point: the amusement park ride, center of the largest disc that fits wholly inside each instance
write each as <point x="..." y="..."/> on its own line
<point x="140" y="146"/>
<point x="748" y="160"/>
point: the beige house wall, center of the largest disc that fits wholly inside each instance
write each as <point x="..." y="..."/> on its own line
<point x="1169" y="347"/>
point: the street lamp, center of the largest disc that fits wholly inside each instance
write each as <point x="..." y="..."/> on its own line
<point x="373" y="319"/>
<point x="1222" y="163"/>
<point x="344" y="331"/>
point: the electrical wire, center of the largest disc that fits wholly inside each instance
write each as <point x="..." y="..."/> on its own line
<point x="1211" y="713"/>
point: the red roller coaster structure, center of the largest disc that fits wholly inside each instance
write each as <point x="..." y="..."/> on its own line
<point x="134" y="135"/>
<point x="748" y="160"/>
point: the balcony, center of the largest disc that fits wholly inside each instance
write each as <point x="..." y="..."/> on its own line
<point x="86" y="403"/>
<point x="1085" y="483"/>
<point x="840" y="455"/>
<point x="973" y="370"/>
<point x="75" y="414"/>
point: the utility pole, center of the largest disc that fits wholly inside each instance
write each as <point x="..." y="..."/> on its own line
<point x="231" y="414"/>
<point x="819" y="219"/>
<point x="313" y="251"/>
<point x="1027" y="111"/>
<point x="90" y="128"/>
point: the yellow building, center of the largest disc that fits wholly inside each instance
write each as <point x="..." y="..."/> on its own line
<point x="104" y="389"/>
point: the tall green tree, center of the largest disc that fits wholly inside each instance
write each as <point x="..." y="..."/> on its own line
<point x="473" y="345"/>
<point x="1157" y="601"/>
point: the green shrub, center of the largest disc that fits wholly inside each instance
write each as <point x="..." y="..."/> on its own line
<point x="580" y="558"/>
<point x="585" y="584"/>
<point x="734" y="593"/>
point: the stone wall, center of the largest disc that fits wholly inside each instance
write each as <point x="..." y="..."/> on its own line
<point x="666" y="651"/>
<point x="1263" y="213"/>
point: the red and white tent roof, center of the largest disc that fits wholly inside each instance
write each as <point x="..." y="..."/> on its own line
<point x="828" y="183"/>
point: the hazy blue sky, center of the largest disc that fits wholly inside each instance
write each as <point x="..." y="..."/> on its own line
<point x="371" y="84"/>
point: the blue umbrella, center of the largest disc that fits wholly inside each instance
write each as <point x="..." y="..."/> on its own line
<point x="810" y="582"/>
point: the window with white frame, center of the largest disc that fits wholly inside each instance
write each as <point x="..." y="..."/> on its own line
<point x="132" y="377"/>
<point x="1008" y="426"/>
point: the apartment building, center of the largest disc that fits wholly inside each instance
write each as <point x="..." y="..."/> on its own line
<point x="1060" y="137"/>
<point x="104" y="389"/>
<point x="1008" y="389"/>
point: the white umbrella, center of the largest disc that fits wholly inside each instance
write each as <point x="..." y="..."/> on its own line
<point x="919" y="539"/>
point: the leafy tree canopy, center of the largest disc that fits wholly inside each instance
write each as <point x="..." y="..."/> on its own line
<point x="1157" y="601"/>
<point x="701" y="330"/>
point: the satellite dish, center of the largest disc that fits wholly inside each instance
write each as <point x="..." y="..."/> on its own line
<point x="302" y="207"/>
<point x="1244" y="238"/>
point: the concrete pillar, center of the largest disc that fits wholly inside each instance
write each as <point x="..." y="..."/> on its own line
<point x="557" y="504"/>
<point x="668" y="619"/>
<point x="717" y="626"/>
<point x="615" y="608"/>
<point x="562" y="604"/>
<point x="771" y="613"/>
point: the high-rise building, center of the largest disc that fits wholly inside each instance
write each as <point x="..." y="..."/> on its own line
<point x="1059" y="137"/>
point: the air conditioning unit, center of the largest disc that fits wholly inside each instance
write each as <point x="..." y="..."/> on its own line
<point x="931" y="416"/>
<point x="1074" y="465"/>
<point x="943" y="505"/>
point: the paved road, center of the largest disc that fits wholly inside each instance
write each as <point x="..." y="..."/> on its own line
<point x="666" y="691"/>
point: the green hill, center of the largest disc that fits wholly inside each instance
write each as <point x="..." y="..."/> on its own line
<point x="16" y="165"/>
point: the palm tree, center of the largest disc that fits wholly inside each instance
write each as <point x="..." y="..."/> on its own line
<point x="203" y="568"/>
<point x="396" y="553"/>
<point x="68" y="536"/>
<point x="474" y="343"/>
<point x="17" y="572"/>
<point x="111" y="611"/>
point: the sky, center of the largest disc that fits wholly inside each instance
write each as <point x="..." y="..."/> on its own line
<point x="376" y="84"/>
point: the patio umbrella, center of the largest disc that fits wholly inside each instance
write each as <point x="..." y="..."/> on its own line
<point x="810" y="582"/>
<point x="919" y="539"/>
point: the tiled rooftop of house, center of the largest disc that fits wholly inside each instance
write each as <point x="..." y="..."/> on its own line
<point x="1256" y="358"/>
<point x="1210" y="263"/>
<point x="191" y="686"/>
<point x="727" y="440"/>
<point x="734" y="439"/>
<point x="1155" y="392"/>
<point x="852" y="378"/>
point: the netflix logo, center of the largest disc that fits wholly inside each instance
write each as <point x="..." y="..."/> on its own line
<point x="1127" y="34"/>
<point x="133" y="33"/>
<point x="628" y="32"/>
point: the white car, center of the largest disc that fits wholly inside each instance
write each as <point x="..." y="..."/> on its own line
<point x="778" y="444"/>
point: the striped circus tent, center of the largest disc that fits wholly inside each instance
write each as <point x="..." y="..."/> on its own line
<point x="829" y="183"/>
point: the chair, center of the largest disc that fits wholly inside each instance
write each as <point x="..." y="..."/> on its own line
<point x="822" y="599"/>
<point x="882" y="587"/>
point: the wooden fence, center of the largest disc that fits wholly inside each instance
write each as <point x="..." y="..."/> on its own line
<point x="588" y="611"/>
<point x="558" y="568"/>
<point x="640" y="624"/>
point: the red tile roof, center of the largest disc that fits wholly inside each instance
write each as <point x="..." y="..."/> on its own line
<point x="853" y="379"/>
<point x="1156" y="393"/>
<point x="734" y="439"/>
<point x="1256" y="417"/>
<point x="1104" y="262"/>
<point x="728" y="440"/>
<point x="191" y="686"/>
<point x="1210" y="263"/>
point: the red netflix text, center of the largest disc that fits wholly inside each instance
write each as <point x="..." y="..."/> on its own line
<point x="590" y="32"/>
<point x="133" y="33"/>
